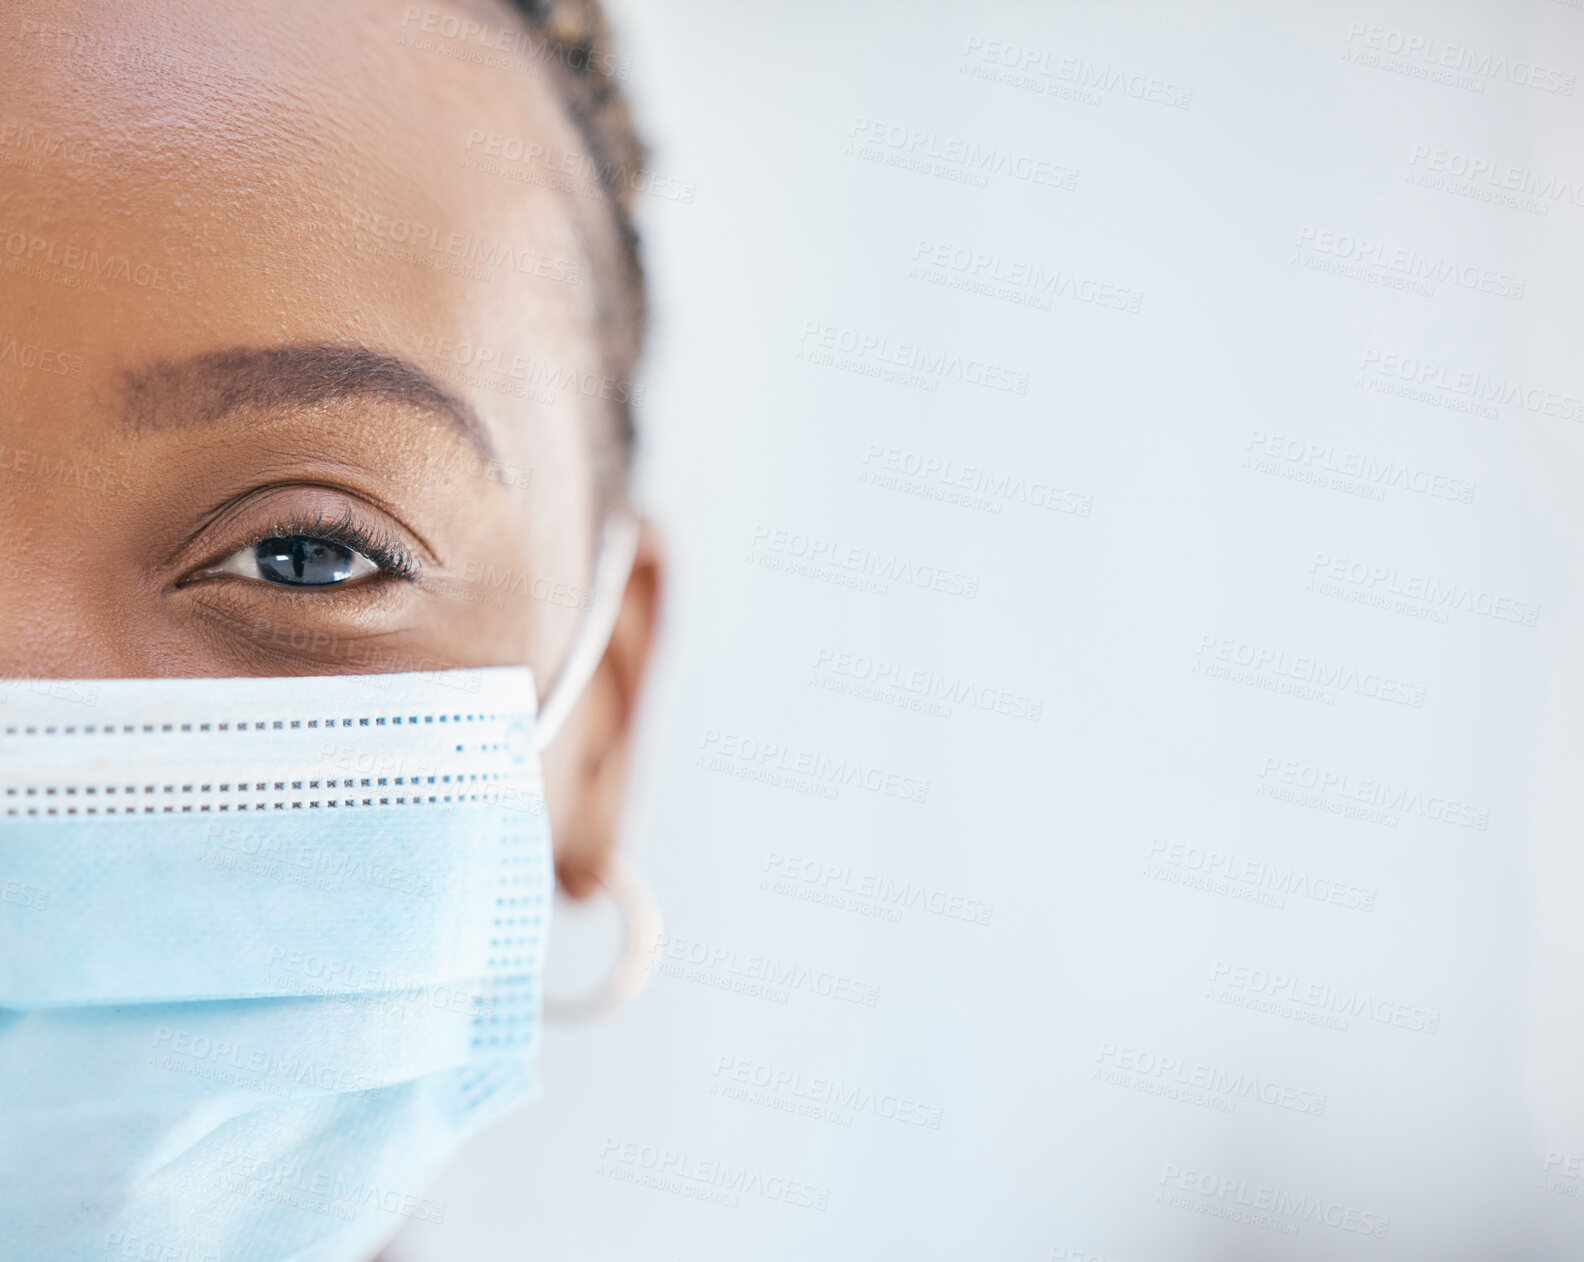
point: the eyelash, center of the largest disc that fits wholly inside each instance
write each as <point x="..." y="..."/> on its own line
<point x="380" y="546"/>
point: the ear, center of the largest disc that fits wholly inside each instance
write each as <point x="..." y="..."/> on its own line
<point x="601" y="728"/>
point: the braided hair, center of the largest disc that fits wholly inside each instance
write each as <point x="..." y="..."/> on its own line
<point x="585" y="73"/>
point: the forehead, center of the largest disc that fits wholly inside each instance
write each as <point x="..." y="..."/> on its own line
<point x="191" y="175"/>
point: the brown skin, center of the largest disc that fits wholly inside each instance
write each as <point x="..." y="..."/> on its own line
<point x="235" y="177"/>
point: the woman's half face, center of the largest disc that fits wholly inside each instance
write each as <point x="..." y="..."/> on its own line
<point x="292" y="380"/>
<point x="278" y="369"/>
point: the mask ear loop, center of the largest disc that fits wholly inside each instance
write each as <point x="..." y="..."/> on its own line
<point x="618" y="547"/>
<point x="642" y="924"/>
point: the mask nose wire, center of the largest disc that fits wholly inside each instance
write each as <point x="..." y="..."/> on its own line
<point x="618" y="546"/>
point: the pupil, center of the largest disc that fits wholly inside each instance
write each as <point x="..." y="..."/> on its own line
<point x="303" y="562"/>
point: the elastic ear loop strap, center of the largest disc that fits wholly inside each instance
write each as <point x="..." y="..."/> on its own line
<point x="618" y="546"/>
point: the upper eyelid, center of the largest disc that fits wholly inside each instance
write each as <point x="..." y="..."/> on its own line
<point x="350" y="502"/>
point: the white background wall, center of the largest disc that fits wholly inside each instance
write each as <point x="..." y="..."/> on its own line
<point x="1202" y="435"/>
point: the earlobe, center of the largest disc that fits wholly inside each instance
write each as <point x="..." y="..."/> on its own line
<point x="603" y="724"/>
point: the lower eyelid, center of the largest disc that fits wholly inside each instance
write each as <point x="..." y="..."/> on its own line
<point x="270" y="629"/>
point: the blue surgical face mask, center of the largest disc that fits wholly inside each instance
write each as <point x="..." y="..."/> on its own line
<point x="270" y="949"/>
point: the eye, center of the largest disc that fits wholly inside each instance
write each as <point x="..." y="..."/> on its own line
<point x="298" y="561"/>
<point x="311" y="546"/>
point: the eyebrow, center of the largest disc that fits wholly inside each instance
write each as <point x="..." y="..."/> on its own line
<point x="211" y="387"/>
